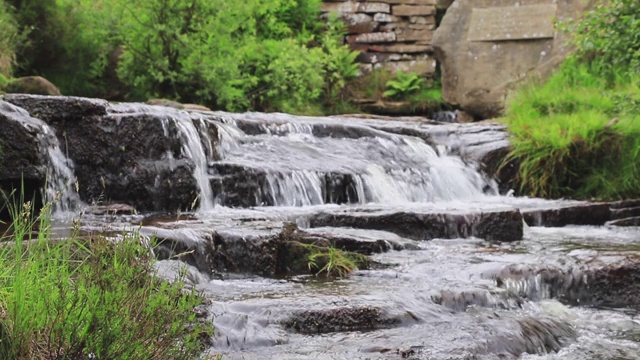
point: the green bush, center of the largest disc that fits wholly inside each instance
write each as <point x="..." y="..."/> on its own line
<point x="249" y="55"/>
<point x="10" y="41"/>
<point x="257" y="54"/>
<point x="608" y="37"/>
<point x="79" y="298"/>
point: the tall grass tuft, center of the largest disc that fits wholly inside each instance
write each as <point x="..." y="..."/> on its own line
<point x="88" y="298"/>
<point x="578" y="134"/>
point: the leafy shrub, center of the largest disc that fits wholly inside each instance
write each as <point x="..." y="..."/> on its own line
<point x="256" y="54"/>
<point x="9" y="42"/>
<point x="403" y="85"/>
<point x="94" y="298"/>
<point x="608" y="37"/>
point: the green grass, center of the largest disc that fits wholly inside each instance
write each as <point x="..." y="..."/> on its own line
<point x="333" y="262"/>
<point x="81" y="298"/>
<point x="562" y="139"/>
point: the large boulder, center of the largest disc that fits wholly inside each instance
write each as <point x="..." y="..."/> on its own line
<point x="36" y="85"/>
<point x="485" y="46"/>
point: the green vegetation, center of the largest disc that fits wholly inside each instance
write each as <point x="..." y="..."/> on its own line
<point x="92" y="298"/>
<point x="578" y="134"/>
<point x="11" y="38"/>
<point x="256" y="54"/>
<point x="333" y="262"/>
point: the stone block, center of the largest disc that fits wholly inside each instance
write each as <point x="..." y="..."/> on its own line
<point x="414" y="34"/>
<point x="374" y="7"/>
<point x="423" y="20"/>
<point x="350" y="7"/>
<point x="401" y="48"/>
<point x="411" y="2"/>
<point x="413" y="10"/>
<point x="413" y="66"/>
<point x="370" y="38"/>
<point x="384" y="18"/>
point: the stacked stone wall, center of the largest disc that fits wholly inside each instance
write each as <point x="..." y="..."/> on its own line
<point x="391" y="34"/>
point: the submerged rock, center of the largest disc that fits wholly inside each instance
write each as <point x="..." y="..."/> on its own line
<point x="344" y="319"/>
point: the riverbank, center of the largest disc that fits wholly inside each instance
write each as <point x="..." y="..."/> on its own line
<point x="577" y="135"/>
<point x="90" y="297"/>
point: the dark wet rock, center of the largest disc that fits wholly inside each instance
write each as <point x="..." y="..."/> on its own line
<point x="58" y="108"/>
<point x="630" y="221"/>
<point x="21" y="162"/>
<point x="36" y="85"/>
<point x="626" y="212"/>
<point x="490" y="225"/>
<point x="195" y="249"/>
<point x="377" y="243"/>
<point x="243" y="186"/>
<point x="111" y="209"/>
<point x="575" y="214"/>
<point x="344" y="319"/>
<point x="625" y="204"/>
<point x="615" y="286"/>
<point x="240" y="253"/>
<point x="123" y="158"/>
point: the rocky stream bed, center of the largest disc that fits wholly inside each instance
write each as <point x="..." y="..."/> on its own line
<point x="459" y="267"/>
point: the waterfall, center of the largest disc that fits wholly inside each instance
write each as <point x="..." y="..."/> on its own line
<point x="299" y="159"/>
<point x="193" y="149"/>
<point x="59" y="190"/>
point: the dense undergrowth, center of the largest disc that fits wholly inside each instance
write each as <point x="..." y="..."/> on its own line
<point x="577" y="135"/>
<point x="264" y="55"/>
<point x="89" y="298"/>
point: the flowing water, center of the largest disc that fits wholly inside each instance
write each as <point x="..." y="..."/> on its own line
<point x="460" y="298"/>
<point x="59" y="189"/>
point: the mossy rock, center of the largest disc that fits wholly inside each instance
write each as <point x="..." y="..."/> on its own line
<point x="35" y="85"/>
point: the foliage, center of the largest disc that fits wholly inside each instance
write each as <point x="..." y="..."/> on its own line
<point x="565" y="141"/>
<point x="257" y="54"/>
<point x="9" y="42"/>
<point x="403" y="85"/>
<point x="578" y="135"/>
<point x="250" y="55"/>
<point x="608" y="36"/>
<point x="92" y="298"/>
<point x="331" y="261"/>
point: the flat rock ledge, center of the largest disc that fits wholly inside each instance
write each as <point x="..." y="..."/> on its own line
<point x="493" y="225"/>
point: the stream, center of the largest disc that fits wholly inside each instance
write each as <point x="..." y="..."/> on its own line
<point x="461" y="269"/>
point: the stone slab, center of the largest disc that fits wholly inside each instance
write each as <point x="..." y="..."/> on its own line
<point x="423" y="67"/>
<point x="413" y="10"/>
<point x="353" y="7"/>
<point x="376" y="37"/>
<point x="403" y="49"/>
<point x="512" y="23"/>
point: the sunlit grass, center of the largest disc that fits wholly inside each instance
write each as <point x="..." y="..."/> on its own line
<point x="578" y="134"/>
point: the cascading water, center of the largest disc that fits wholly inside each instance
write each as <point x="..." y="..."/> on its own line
<point x="300" y="156"/>
<point x="59" y="189"/>
<point x="191" y="140"/>
<point x="379" y="187"/>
